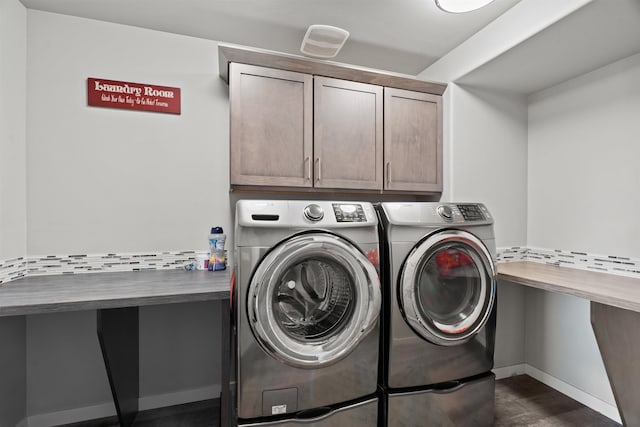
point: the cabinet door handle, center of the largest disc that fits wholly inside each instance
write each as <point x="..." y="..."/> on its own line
<point x="317" y="169"/>
<point x="307" y="161"/>
<point x="388" y="174"/>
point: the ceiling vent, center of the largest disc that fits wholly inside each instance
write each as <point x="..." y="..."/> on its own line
<point x="323" y="41"/>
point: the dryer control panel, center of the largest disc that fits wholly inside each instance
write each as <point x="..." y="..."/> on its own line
<point x="436" y="213"/>
<point x="471" y="212"/>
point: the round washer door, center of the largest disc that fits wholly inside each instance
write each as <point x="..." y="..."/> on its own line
<point x="312" y="299"/>
<point x="448" y="287"/>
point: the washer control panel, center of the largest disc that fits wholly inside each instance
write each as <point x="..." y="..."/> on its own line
<point x="349" y="212"/>
<point x="471" y="212"/>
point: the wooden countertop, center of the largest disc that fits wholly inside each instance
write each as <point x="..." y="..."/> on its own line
<point x="90" y="291"/>
<point x="610" y="289"/>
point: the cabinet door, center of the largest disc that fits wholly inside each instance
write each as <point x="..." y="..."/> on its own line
<point x="347" y="134"/>
<point x="412" y="141"/>
<point x="271" y="126"/>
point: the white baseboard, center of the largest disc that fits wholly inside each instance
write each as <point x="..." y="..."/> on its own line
<point x="586" y="399"/>
<point x="178" y="398"/>
<point x="108" y="409"/>
<point x="72" y="415"/>
<point x="509" y="371"/>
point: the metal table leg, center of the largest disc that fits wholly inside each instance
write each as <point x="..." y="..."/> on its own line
<point x="118" y="334"/>
<point x="617" y="332"/>
<point x="225" y="395"/>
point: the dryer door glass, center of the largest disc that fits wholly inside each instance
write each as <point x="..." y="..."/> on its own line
<point x="312" y="299"/>
<point x="448" y="287"/>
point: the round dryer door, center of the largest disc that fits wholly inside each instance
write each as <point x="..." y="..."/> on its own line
<point x="447" y="287"/>
<point x="312" y="299"/>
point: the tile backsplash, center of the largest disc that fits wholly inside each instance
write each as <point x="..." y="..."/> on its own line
<point x="16" y="268"/>
<point x="12" y="269"/>
<point x="112" y="262"/>
<point x="612" y="264"/>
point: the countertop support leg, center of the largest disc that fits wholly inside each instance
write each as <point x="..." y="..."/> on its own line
<point x="226" y="412"/>
<point x="617" y="332"/>
<point x="119" y="342"/>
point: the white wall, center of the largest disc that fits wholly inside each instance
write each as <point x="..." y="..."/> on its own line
<point x="66" y="378"/>
<point x="583" y="196"/>
<point x="560" y="342"/>
<point x="64" y="363"/>
<point x="486" y="161"/>
<point x="13" y="63"/>
<point x="583" y="163"/>
<point x="12" y="371"/>
<point x="487" y="139"/>
<point x="103" y="180"/>
<point x="180" y="352"/>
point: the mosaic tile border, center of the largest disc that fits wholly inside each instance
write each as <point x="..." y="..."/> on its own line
<point x="612" y="264"/>
<point x="12" y="269"/>
<point x="108" y="263"/>
<point x="17" y="268"/>
<point x="514" y="253"/>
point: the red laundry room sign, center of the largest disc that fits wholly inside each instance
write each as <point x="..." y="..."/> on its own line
<point x="133" y="96"/>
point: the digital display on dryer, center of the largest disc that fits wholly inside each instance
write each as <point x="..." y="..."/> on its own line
<point x="348" y="212"/>
<point x="471" y="212"/>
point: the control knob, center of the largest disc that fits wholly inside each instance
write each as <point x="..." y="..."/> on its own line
<point x="313" y="213"/>
<point x="445" y="212"/>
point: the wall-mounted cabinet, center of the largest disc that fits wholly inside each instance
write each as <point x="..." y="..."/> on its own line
<point x="271" y="127"/>
<point x="347" y="134"/>
<point x="301" y="130"/>
<point x="412" y="141"/>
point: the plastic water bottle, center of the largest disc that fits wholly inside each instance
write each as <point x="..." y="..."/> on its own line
<point x="216" y="247"/>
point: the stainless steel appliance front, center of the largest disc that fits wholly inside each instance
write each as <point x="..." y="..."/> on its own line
<point x="306" y="306"/>
<point x="440" y="295"/>
<point x="439" y="314"/>
<point x="466" y="404"/>
<point x="361" y="414"/>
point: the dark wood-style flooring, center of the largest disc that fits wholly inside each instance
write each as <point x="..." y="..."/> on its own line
<point x="520" y="401"/>
<point x="198" y="414"/>
<point x="524" y="401"/>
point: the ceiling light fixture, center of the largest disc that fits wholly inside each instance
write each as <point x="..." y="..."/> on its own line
<point x="459" y="6"/>
<point x="323" y="41"/>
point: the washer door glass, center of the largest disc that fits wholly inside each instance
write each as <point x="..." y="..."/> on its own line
<point x="312" y="299"/>
<point x="448" y="287"/>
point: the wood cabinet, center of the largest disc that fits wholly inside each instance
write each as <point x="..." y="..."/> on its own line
<point x="347" y="134"/>
<point x="299" y="130"/>
<point x="271" y="127"/>
<point x="412" y="141"/>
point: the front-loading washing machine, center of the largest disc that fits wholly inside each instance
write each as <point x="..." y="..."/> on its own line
<point x="306" y="300"/>
<point x="439" y="314"/>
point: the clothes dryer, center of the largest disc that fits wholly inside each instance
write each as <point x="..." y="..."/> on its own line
<point x="306" y="300"/>
<point x="439" y="314"/>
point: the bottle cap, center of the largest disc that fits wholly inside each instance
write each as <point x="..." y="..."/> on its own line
<point x="216" y="230"/>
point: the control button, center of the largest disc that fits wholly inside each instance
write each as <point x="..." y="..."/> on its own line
<point x="445" y="212"/>
<point x="313" y="213"/>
